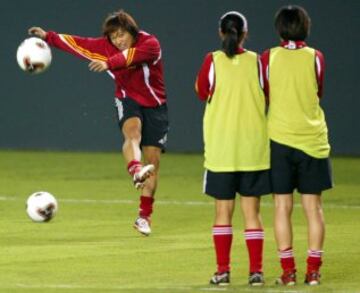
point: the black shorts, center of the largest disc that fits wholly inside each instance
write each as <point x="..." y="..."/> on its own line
<point x="293" y="169"/>
<point x="225" y="185"/>
<point x="154" y="121"/>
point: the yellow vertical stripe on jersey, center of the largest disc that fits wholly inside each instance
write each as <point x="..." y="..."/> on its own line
<point x="130" y="56"/>
<point x="86" y="53"/>
<point x="235" y="131"/>
<point x="295" y="116"/>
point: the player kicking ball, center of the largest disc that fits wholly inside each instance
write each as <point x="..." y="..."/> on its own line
<point x="133" y="58"/>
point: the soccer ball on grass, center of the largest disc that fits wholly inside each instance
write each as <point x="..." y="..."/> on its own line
<point x="41" y="206"/>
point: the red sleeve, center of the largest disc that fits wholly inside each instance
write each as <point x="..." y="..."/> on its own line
<point x="265" y="57"/>
<point x="88" y="48"/>
<point x="260" y="72"/>
<point x="148" y="51"/>
<point x="205" y="81"/>
<point x="319" y="71"/>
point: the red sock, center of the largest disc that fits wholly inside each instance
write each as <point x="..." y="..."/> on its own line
<point x="254" y="241"/>
<point x="314" y="260"/>
<point x="222" y="236"/>
<point x="133" y="167"/>
<point x="287" y="259"/>
<point x="146" y="206"/>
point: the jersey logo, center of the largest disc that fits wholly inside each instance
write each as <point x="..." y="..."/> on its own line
<point x="163" y="140"/>
<point x="291" y="45"/>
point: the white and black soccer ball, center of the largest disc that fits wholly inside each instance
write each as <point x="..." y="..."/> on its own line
<point x="41" y="206"/>
<point x="34" y="55"/>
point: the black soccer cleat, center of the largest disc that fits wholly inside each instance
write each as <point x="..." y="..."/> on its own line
<point x="220" y="279"/>
<point x="256" y="279"/>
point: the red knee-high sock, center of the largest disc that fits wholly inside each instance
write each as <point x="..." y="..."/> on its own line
<point x="255" y="241"/>
<point x="222" y="236"/>
<point x="287" y="259"/>
<point x="314" y="260"/>
<point x="146" y="206"/>
<point x="133" y="167"/>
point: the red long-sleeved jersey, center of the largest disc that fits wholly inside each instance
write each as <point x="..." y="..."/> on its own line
<point x="137" y="71"/>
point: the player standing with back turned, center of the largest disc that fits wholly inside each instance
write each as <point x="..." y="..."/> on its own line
<point x="236" y="144"/>
<point x="299" y="142"/>
<point x="133" y="58"/>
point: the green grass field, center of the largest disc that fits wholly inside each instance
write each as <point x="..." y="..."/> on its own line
<point x="90" y="246"/>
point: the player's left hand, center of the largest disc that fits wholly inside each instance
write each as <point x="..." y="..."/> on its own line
<point x="98" y="66"/>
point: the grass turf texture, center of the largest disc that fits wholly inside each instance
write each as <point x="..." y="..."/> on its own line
<point x="90" y="246"/>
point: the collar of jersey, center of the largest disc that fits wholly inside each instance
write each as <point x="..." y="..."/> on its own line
<point x="293" y="45"/>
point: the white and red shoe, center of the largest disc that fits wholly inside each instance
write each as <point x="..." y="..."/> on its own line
<point x="143" y="226"/>
<point x="312" y="278"/>
<point x="142" y="174"/>
<point x="288" y="278"/>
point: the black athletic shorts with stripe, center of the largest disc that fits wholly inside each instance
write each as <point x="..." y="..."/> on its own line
<point x="225" y="185"/>
<point x="293" y="169"/>
<point x="155" y="123"/>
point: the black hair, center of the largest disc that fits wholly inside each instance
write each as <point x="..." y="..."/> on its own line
<point x="292" y="23"/>
<point x="234" y="27"/>
<point x="120" y="19"/>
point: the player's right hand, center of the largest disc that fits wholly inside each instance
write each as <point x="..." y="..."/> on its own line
<point x="38" y="32"/>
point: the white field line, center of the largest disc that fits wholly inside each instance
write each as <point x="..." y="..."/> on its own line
<point x="164" y="202"/>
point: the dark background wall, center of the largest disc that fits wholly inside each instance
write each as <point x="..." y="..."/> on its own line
<point x="70" y="108"/>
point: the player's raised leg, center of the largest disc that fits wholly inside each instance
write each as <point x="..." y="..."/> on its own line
<point x="316" y="232"/>
<point x="132" y="153"/>
<point x="132" y="137"/>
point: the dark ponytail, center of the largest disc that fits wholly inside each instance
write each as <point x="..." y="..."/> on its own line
<point x="230" y="43"/>
<point x="233" y="25"/>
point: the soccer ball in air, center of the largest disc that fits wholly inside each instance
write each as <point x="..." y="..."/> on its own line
<point x="41" y="206"/>
<point x="34" y="55"/>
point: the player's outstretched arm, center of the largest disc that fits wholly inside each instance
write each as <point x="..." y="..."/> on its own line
<point x="93" y="49"/>
<point x="38" y="32"/>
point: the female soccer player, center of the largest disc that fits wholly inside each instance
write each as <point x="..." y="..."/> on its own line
<point x="236" y="144"/>
<point x="133" y="59"/>
<point x="299" y="143"/>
